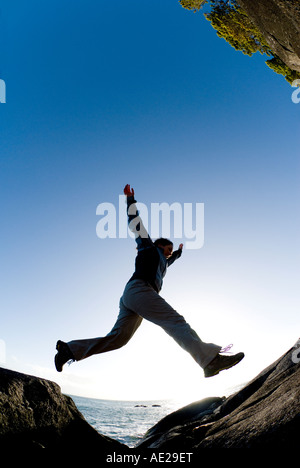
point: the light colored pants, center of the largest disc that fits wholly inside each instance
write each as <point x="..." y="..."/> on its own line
<point x="140" y="301"/>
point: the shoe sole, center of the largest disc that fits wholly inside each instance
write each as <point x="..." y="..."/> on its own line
<point x="58" y="366"/>
<point x="227" y="367"/>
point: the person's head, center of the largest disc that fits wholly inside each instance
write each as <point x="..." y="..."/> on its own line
<point x="166" y="245"/>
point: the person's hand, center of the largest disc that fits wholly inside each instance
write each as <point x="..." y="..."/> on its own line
<point x="180" y="246"/>
<point x="128" y="191"/>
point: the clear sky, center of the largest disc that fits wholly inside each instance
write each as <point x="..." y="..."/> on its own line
<point x="101" y="94"/>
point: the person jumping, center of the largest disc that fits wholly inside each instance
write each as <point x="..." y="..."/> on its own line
<point x="141" y="300"/>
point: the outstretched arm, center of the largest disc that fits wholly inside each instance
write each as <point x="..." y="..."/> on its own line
<point x="176" y="254"/>
<point x="134" y="221"/>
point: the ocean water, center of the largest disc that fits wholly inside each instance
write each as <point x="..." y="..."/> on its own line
<point x="125" y="421"/>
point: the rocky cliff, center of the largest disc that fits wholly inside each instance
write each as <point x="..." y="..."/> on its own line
<point x="279" y="23"/>
<point x="34" y="414"/>
<point x="265" y="413"/>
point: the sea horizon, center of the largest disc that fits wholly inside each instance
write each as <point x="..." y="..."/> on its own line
<point x="126" y="421"/>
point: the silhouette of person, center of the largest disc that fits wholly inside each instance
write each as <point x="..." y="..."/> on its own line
<point x="141" y="300"/>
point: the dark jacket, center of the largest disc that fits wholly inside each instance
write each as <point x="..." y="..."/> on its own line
<point x="150" y="264"/>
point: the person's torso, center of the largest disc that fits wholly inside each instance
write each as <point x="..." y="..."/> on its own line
<point x="150" y="266"/>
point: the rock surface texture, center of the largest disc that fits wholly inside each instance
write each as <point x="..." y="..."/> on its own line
<point x="34" y="414"/>
<point x="264" y="414"/>
<point x="279" y="22"/>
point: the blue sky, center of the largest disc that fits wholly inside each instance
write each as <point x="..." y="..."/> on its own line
<point x="100" y="94"/>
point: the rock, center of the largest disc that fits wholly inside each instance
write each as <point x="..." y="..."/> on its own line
<point x="279" y="23"/>
<point x="34" y="414"/>
<point x="172" y="422"/>
<point x="263" y="414"/>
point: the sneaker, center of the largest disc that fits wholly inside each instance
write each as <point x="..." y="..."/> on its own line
<point x="221" y="362"/>
<point x="64" y="355"/>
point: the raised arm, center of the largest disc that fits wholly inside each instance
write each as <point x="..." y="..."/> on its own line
<point x="135" y="222"/>
<point x="176" y="254"/>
